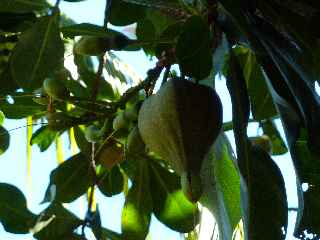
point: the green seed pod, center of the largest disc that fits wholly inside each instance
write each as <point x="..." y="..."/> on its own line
<point x="55" y="88"/>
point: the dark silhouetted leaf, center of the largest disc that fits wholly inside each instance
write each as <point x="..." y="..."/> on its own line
<point x="194" y="46"/>
<point x="70" y="180"/>
<point x="4" y="140"/>
<point x="38" y="52"/>
<point x="82" y="143"/>
<point x="267" y="210"/>
<point x="20" y="105"/>
<point x="111" y="182"/>
<point x="19" y="6"/>
<point x="55" y="222"/>
<point x="309" y="170"/>
<point x="14" y="214"/>
<point x="124" y="13"/>
<point x="87" y="29"/>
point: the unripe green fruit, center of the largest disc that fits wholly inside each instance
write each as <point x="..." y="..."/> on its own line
<point x="93" y="134"/>
<point x="191" y="186"/>
<point x="262" y="141"/>
<point x="132" y="112"/>
<point x="55" y="88"/>
<point x="135" y="144"/>
<point x="180" y="123"/>
<point x="120" y="121"/>
<point x="90" y="45"/>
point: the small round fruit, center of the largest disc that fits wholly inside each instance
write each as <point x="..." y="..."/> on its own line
<point x="55" y="88"/>
<point x="92" y="134"/>
<point x="262" y="141"/>
<point x="120" y="122"/>
<point x="191" y="186"/>
<point x="90" y="45"/>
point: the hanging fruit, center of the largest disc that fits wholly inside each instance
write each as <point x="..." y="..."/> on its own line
<point x="180" y="123"/>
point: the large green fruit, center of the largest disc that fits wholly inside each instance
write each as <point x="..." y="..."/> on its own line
<point x="96" y="46"/>
<point x="180" y="123"/>
<point x="55" y="88"/>
<point x="90" y="45"/>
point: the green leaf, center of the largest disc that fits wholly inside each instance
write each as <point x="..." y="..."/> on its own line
<point x="2" y="117"/>
<point x="278" y="145"/>
<point x="69" y="180"/>
<point x="146" y="33"/>
<point x="77" y="89"/>
<point x="82" y="143"/>
<point x="20" y="106"/>
<point x="87" y="29"/>
<point x="136" y="213"/>
<point x="124" y="13"/>
<point x="221" y="187"/>
<point x="112" y="70"/>
<point x="43" y="137"/>
<point x="240" y="114"/>
<point x="267" y="209"/>
<point x="39" y="51"/>
<point x="262" y="106"/>
<point x="106" y="90"/>
<point x="14" y="214"/>
<point x="55" y="222"/>
<point x="111" y="182"/>
<point x="108" y="234"/>
<point x="20" y="6"/>
<point x="4" y="140"/>
<point x="168" y="37"/>
<point x="170" y="205"/>
<point x="194" y="46"/>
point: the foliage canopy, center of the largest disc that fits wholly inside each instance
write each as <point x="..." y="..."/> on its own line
<point x="268" y="51"/>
